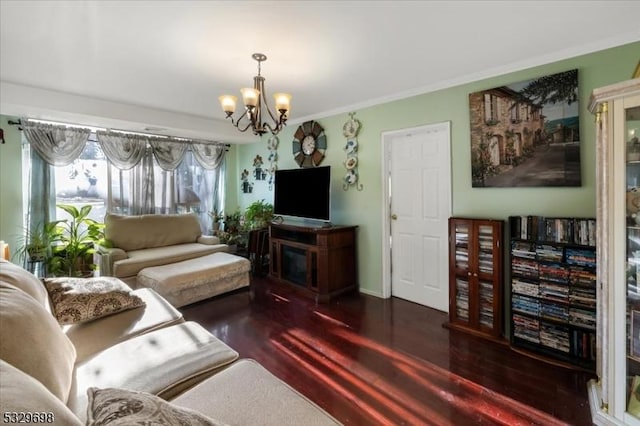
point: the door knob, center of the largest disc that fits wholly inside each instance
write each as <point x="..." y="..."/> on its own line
<point x="394" y="216"/>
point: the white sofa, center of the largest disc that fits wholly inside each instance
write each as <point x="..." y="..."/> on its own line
<point x="138" y="242"/>
<point x="57" y="371"/>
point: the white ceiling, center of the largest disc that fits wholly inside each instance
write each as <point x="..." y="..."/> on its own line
<point x="161" y="65"/>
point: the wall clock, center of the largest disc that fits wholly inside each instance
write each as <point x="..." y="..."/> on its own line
<point x="309" y="144"/>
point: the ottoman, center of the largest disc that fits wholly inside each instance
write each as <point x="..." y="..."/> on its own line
<point x="192" y="280"/>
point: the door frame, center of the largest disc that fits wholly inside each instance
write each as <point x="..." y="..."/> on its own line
<point x="386" y="138"/>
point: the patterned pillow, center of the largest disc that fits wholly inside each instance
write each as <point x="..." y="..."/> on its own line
<point x="117" y="407"/>
<point x="76" y="300"/>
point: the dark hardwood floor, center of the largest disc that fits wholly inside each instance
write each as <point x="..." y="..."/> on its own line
<point x="374" y="361"/>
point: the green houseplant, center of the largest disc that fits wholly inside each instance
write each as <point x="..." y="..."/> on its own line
<point x="72" y="245"/>
<point x="258" y="215"/>
<point x="217" y="218"/>
<point x="37" y="242"/>
<point x="232" y="234"/>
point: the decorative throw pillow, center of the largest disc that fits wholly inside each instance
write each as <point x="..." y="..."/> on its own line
<point x="76" y="300"/>
<point x="115" y="407"/>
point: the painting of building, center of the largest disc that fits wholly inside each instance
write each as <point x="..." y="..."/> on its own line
<point x="527" y="133"/>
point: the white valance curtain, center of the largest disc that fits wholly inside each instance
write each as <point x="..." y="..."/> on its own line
<point x="57" y="145"/>
<point x="125" y="150"/>
<point x="136" y="184"/>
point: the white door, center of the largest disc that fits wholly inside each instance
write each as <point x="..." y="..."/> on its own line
<point x="419" y="190"/>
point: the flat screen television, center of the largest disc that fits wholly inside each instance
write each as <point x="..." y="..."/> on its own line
<point x="303" y="193"/>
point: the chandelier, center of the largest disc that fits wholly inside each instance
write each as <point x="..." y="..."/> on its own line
<point x="254" y="101"/>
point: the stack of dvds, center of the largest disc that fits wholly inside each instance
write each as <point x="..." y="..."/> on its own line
<point x="580" y="257"/>
<point x="553" y="311"/>
<point x="462" y="299"/>
<point x="549" y="253"/>
<point x="554" y="337"/>
<point x="525" y="305"/>
<point x="582" y="276"/>
<point x="486" y="304"/>
<point x="523" y="249"/>
<point x="583" y="296"/>
<point x="582" y="318"/>
<point x="486" y="262"/>
<point x="553" y="272"/>
<point x="527" y="288"/>
<point x="584" y="344"/>
<point x="526" y="328"/>
<point x="462" y="257"/>
<point x="554" y="292"/>
<point x="524" y="267"/>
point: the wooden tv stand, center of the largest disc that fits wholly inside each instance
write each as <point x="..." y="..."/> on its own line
<point x="318" y="261"/>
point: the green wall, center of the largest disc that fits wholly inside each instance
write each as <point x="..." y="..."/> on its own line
<point x="365" y="208"/>
<point x="10" y="185"/>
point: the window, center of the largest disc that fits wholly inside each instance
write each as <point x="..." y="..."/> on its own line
<point x="490" y="109"/>
<point x="146" y="188"/>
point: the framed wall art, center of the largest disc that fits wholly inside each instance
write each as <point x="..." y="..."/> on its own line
<point x="526" y="134"/>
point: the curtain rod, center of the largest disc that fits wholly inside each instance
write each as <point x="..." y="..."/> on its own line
<point x="92" y="128"/>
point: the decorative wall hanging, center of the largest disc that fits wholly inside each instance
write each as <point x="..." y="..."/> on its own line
<point x="272" y="146"/>
<point x="247" y="187"/>
<point x="259" y="173"/>
<point x="309" y="144"/>
<point x="350" y="131"/>
<point x="527" y="133"/>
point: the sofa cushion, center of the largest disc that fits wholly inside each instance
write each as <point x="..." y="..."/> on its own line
<point x="247" y="384"/>
<point x="151" y="230"/>
<point x="22" y="393"/>
<point x="122" y="407"/>
<point x="162" y="362"/>
<point x="31" y="340"/>
<point x="92" y="337"/>
<point x="25" y="281"/>
<point x="140" y="259"/>
<point x="76" y="300"/>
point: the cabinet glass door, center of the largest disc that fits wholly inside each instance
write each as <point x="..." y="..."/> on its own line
<point x="485" y="267"/>
<point x="632" y="136"/>
<point x="462" y="264"/>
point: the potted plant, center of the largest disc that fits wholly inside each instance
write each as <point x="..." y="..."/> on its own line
<point x="73" y="243"/>
<point x="37" y="242"/>
<point x="258" y="215"/>
<point x="217" y="219"/>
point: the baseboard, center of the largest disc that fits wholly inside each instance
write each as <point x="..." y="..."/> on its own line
<point x="370" y="292"/>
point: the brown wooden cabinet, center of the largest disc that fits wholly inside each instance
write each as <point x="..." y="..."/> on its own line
<point x="318" y="261"/>
<point x="475" y="276"/>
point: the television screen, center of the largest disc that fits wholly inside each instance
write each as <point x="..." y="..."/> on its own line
<point x="303" y="193"/>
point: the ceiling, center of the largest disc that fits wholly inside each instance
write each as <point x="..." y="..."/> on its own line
<point x="159" y="66"/>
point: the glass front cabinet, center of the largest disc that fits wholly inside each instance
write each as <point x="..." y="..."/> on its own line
<point x="475" y="276"/>
<point x="615" y="395"/>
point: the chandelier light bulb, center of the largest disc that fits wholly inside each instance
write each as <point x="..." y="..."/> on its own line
<point x="282" y="101"/>
<point x="250" y="96"/>
<point x="228" y="103"/>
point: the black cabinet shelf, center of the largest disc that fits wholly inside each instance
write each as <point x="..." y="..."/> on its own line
<point x="553" y="288"/>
